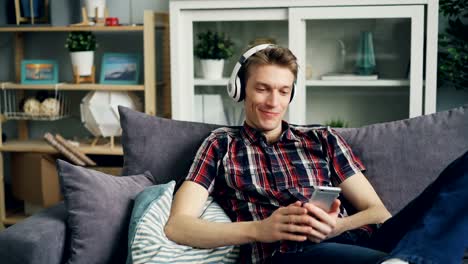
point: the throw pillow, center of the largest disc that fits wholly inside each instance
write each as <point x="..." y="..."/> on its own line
<point x="148" y="242"/>
<point x="99" y="208"/>
<point x="165" y="147"/>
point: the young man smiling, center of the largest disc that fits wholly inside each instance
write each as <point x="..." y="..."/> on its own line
<point x="263" y="174"/>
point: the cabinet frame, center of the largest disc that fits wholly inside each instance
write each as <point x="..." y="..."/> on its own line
<point x="185" y="12"/>
<point x="297" y="24"/>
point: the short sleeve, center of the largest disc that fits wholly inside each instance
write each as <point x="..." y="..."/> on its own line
<point x="204" y="167"/>
<point x="343" y="163"/>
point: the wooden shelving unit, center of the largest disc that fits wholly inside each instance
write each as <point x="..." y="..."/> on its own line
<point x="42" y="147"/>
<point x="152" y="21"/>
<point x="74" y="87"/>
<point x="68" y="29"/>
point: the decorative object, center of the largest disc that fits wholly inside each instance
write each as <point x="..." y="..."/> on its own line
<point x="212" y="49"/>
<point x="82" y="45"/>
<point x="453" y="50"/>
<point x="70" y="152"/>
<point x="365" y="63"/>
<point x="95" y="8"/>
<point x="32" y="106"/>
<point x="100" y="115"/>
<point x="50" y="107"/>
<point x="112" y="21"/>
<point x="39" y="72"/>
<point x="51" y="141"/>
<point x="120" y="68"/>
<point x="32" y="11"/>
<point x="44" y="105"/>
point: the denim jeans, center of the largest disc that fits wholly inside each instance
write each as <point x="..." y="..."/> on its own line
<point x="433" y="228"/>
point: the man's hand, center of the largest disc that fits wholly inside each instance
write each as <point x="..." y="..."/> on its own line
<point x="285" y="223"/>
<point x="323" y="224"/>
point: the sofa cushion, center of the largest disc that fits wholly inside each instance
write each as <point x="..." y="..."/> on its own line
<point x="403" y="157"/>
<point x="148" y="242"/>
<point x="164" y="147"/>
<point x="99" y="208"/>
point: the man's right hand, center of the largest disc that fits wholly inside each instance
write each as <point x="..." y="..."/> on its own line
<point x="285" y="223"/>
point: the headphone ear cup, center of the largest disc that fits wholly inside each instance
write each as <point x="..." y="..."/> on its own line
<point x="241" y="91"/>
<point x="292" y="92"/>
<point x="238" y="90"/>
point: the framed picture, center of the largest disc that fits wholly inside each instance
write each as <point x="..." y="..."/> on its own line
<point x="39" y="72"/>
<point x="120" y="68"/>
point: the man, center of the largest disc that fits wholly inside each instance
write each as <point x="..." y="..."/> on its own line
<point x="263" y="175"/>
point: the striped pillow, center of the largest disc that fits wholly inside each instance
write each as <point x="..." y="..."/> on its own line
<point x="148" y="242"/>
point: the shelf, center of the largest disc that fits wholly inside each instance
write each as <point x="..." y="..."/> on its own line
<point x="381" y="83"/>
<point x="67" y="29"/>
<point x="73" y="87"/>
<point x="42" y="147"/>
<point x="205" y="82"/>
<point x="14" y="218"/>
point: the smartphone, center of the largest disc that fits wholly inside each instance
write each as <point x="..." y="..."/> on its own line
<point x="323" y="196"/>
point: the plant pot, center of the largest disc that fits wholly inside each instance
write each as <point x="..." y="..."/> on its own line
<point x="83" y="61"/>
<point x="91" y="6"/>
<point x="212" y="69"/>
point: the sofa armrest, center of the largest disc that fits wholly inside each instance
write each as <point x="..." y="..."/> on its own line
<point x="38" y="239"/>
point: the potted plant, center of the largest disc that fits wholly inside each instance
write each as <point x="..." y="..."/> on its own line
<point x="338" y="122"/>
<point x="212" y="49"/>
<point x="81" y="45"/>
<point x="453" y="47"/>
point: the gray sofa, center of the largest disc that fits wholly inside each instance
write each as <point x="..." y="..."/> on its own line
<point x="401" y="157"/>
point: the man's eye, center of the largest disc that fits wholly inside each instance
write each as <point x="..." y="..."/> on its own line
<point x="284" y="92"/>
<point x="260" y="89"/>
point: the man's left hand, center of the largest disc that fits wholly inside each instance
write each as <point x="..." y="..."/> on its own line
<point x="324" y="223"/>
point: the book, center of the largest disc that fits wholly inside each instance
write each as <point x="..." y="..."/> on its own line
<point x="348" y="77"/>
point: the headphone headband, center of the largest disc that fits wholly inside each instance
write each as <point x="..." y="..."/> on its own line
<point x="234" y="86"/>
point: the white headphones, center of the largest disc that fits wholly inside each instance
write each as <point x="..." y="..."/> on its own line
<point x="235" y="88"/>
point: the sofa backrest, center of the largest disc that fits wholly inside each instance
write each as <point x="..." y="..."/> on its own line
<point x="402" y="157"/>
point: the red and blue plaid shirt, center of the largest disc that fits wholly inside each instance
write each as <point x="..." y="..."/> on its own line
<point x="250" y="178"/>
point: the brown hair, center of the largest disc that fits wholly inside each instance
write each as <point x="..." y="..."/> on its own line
<point x="270" y="56"/>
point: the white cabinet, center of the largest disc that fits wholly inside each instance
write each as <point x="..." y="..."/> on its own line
<point x="324" y="35"/>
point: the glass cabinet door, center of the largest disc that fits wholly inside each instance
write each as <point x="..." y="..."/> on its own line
<point x="358" y="65"/>
<point x="198" y="98"/>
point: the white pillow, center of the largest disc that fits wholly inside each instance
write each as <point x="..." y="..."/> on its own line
<point x="148" y="242"/>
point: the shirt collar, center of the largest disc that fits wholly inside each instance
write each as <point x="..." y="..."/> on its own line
<point x="251" y="135"/>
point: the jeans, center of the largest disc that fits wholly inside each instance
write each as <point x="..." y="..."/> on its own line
<point x="433" y="228"/>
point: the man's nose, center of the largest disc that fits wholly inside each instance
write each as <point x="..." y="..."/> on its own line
<point x="273" y="98"/>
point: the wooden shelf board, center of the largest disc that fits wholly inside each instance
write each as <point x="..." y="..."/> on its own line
<point x="67" y="29"/>
<point x="205" y="82"/>
<point x="14" y="217"/>
<point x="74" y="87"/>
<point x="375" y="83"/>
<point x="41" y="146"/>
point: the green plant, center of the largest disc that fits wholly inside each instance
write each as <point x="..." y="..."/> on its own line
<point x="453" y="45"/>
<point x="81" y="41"/>
<point x="213" y="45"/>
<point x="336" y="123"/>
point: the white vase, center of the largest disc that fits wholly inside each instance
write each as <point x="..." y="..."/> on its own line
<point x="83" y="61"/>
<point x="91" y="6"/>
<point x="212" y="69"/>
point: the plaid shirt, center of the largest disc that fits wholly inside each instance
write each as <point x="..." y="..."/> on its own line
<point x="250" y="178"/>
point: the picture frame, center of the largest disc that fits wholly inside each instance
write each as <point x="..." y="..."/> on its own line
<point x="120" y="68"/>
<point x="39" y="72"/>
